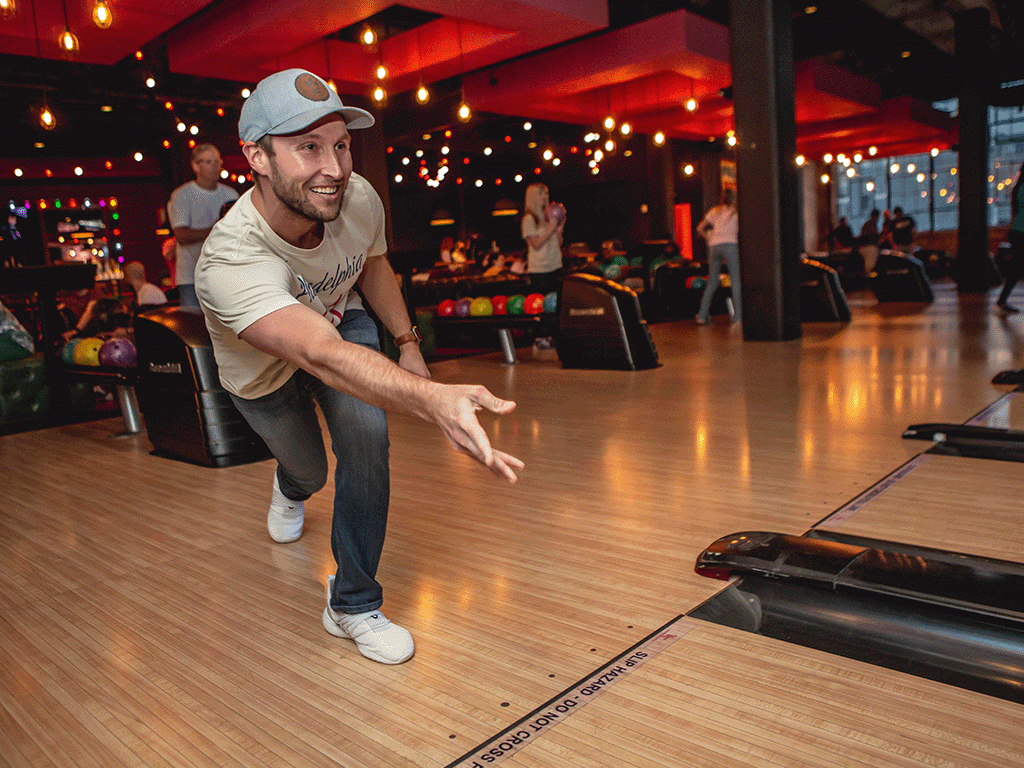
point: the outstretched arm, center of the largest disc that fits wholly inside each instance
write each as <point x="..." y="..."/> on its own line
<point x="299" y="335"/>
<point x="380" y="287"/>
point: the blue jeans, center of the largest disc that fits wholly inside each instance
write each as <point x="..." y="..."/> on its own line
<point x="729" y="254"/>
<point x="187" y="295"/>
<point x="286" y="419"/>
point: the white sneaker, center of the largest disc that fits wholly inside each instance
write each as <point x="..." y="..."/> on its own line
<point x="284" y="520"/>
<point x="374" y="634"/>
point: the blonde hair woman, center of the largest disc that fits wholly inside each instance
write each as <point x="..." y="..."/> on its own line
<point x="543" y="235"/>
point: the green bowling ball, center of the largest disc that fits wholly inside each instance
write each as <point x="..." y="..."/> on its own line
<point x="515" y="304"/>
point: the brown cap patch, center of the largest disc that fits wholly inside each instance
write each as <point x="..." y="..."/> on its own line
<point x="311" y="88"/>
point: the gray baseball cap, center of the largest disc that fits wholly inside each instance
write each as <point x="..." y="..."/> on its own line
<point x="290" y="100"/>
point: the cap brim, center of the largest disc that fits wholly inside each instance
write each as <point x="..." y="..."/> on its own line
<point x="354" y="118"/>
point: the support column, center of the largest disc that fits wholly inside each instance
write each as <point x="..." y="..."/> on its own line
<point x="973" y="271"/>
<point x="769" y="208"/>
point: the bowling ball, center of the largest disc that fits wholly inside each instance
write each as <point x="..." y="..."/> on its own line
<point x="462" y="307"/>
<point x="515" y="304"/>
<point x="698" y="282"/>
<point x="613" y="271"/>
<point x="622" y="261"/>
<point x="68" y="353"/>
<point x="726" y="282"/>
<point x="534" y="304"/>
<point x="551" y="302"/>
<point x="556" y="211"/>
<point x="481" y="306"/>
<point x="499" y="304"/>
<point x="636" y="261"/>
<point x="87" y="352"/>
<point x="446" y="308"/>
<point x="118" y="352"/>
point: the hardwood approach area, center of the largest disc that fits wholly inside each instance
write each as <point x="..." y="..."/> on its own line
<point x="148" y="620"/>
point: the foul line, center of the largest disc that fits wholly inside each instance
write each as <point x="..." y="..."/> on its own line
<point x="559" y="707"/>
<point x="850" y="508"/>
<point x="987" y="412"/>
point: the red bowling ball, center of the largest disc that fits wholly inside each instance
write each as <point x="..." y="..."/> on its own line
<point x="500" y="304"/>
<point x="534" y="304"/>
<point x="446" y="308"/>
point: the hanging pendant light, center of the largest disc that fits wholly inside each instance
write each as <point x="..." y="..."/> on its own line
<point x="7" y="9"/>
<point x="691" y="103"/>
<point x="67" y="41"/>
<point x="68" y="44"/>
<point x="46" y="118"/>
<point x="464" y="113"/>
<point x="101" y="14"/>
<point x="422" y="94"/>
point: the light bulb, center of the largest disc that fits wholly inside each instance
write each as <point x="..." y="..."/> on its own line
<point x="382" y="71"/>
<point x="379" y="94"/>
<point x="609" y="122"/>
<point x="659" y="138"/>
<point x="46" y="119"/>
<point x="691" y="104"/>
<point x="68" y="43"/>
<point x="7" y="9"/>
<point x="625" y="128"/>
<point x="464" y="112"/>
<point x="422" y="95"/>
<point x="101" y="14"/>
<point x="368" y="37"/>
<point x="332" y="85"/>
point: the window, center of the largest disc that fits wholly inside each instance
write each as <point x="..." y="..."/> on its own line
<point x="927" y="188"/>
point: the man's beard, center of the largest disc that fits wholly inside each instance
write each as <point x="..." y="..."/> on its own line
<point x="294" y="200"/>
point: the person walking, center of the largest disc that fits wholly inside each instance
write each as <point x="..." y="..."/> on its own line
<point x="720" y="227"/>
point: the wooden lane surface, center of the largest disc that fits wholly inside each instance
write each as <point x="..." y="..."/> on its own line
<point x="147" y="618"/>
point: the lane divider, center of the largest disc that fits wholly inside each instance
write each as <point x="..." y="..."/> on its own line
<point x="560" y="707"/>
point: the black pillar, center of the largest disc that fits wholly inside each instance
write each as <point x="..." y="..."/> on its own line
<point x="769" y="209"/>
<point x="973" y="271"/>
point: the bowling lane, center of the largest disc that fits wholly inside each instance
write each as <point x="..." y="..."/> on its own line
<point x="946" y="502"/>
<point x="713" y="695"/>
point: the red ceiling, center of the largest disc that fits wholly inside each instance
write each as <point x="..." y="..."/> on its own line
<point x="643" y="72"/>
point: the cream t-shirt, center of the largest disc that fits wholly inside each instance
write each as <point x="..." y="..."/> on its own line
<point x="246" y="271"/>
<point x="548" y="257"/>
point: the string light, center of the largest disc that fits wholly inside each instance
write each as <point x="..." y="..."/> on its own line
<point x="422" y="94"/>
<point x="368" y="36"/>
<point x="379" y="94"/>
<point x="101" y="14"/>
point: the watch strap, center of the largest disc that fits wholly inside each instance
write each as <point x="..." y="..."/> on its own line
<point x="409" y="336"/>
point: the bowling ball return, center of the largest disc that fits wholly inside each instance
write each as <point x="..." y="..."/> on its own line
<point x="504" y="325"/>
<point x="948" y="616"/>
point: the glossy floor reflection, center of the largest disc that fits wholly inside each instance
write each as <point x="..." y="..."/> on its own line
<point x="148" y="619"/>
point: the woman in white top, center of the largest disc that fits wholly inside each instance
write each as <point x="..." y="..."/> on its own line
<point x="720" y="227"/>
<point x="543" y="236"/>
